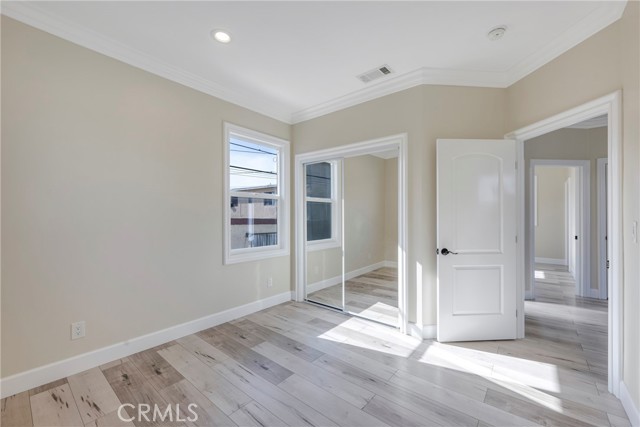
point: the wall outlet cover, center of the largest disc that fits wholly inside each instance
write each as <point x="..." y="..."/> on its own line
<point x="78" y="330"/>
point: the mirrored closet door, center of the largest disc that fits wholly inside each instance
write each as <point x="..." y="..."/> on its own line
<point x="370" y="237"/>
<point x="351" y="234"/>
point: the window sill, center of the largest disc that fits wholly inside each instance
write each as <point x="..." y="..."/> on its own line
<point x="321" y="245"/>
<point x="236" y="258"/>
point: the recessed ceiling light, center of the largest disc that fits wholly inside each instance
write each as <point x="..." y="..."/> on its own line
<point x="497" y="33"/>
<point x="221" y="36"/>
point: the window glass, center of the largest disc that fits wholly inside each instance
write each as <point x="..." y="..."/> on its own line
<point x="252" y="167"/>
<point x="319" y="180"/>
<point x="256" y="220"/>
<point x="318" y="221"/>
<point x="253" y="223"/>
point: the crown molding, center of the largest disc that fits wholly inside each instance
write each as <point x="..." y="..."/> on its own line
<point x="600" y="18"/>
<point x="28" y="13"/>
<point x="422" y="76"/>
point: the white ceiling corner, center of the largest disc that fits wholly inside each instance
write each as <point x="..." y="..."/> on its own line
<point x="34" y="16"/>
<point x="596" y="122"/>
<point x="606" y="14"/>
<point x="320" y="77"/>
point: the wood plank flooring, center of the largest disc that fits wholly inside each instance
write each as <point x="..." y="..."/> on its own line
<point x="298" y="364"/>
<point x="372" y="296"/>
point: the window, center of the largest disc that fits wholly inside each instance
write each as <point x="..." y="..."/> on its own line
<point x="322" y="200"/>
<point x="256" y="220"/>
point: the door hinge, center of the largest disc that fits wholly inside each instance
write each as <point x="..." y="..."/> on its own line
<point x="516" y="313"/>
<point x="516" y="239"/>
<point x="516" y="165"/>
<point x="608" y="264"/>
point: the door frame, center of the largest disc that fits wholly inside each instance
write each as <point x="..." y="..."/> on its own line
<point x="569" y="254"/>
<point x="611" y="105"/>
<point x="583" y="194"/>
<point x="393" y="142"/>
<point x="602" y="227"/>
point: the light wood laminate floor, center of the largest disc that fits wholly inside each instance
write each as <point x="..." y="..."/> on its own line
<point x="297" y="364"/>
<point x="372" y="295"/>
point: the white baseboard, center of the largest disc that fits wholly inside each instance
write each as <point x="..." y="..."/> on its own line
<point x="314" y="287"/>
<point x="429" y="332"/>
<point x="629" y="406"/>
<point x="45" y="374"/>
<point x="415" y="330"/>
<point x="554" y="261"/>
<point x="426" y="332"/>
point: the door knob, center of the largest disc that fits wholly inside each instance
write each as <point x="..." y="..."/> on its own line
<point x="446" y="252"/>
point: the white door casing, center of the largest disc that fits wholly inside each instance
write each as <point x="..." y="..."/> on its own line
<point x="477" y="281"/>
<point x="572" y="229"/>
<point x="611" y="105"/>
<point x="603" y="254"/>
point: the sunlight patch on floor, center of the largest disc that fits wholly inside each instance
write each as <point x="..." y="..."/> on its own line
<point x="529" y="392"/>
<point x="540" y="275"/>
<point x="372" y="336"/>
<point x="529" y="380"/>
<point x="492" y="365"/>
<point x="448" y="356"/>
<point x="380" y="312"/>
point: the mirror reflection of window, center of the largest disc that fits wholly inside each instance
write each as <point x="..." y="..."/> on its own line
<point x="320" y="200"/>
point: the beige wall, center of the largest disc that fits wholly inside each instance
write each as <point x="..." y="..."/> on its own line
<point x="365" y="213"/>
<point x="606" y="62"/>
<point x="573" y="144"/>
<point x="425" y="113"/>
<point x="391" y="210"/>
<point x="551" y="232"/>
<point x="325" y="264"/>
<point x="111" y="202"/>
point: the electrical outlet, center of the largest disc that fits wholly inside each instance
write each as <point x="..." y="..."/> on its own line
<point x="77" y="330"/>
<point x="270" y="282"/>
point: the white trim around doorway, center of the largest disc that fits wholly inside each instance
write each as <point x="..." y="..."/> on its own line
<point x="395" y="142"/>
<point x="612" y="106"/>
<point x="602" y="227"/>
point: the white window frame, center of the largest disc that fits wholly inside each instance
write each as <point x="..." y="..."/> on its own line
<point x="335" y="241"/>
<point x="233" y="256"/>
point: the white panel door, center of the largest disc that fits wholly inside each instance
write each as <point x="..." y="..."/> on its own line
<point x="476" y="240"/>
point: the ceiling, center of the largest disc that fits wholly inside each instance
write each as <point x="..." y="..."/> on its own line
<point x="596" y="122"/>
<point x="299" y="59"/>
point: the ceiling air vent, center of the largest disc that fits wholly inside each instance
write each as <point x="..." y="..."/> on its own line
<point x="375" y="74"/>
